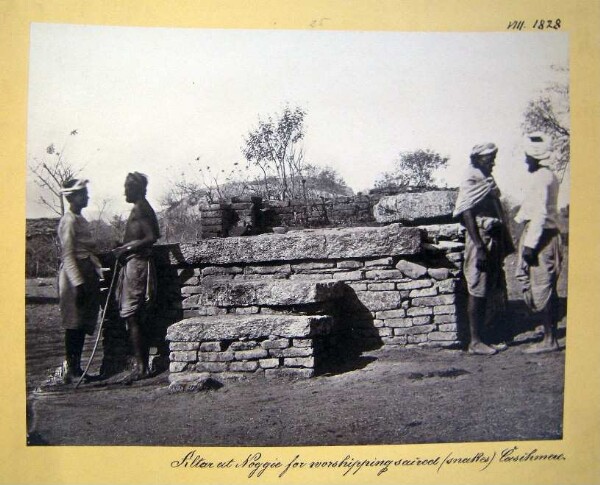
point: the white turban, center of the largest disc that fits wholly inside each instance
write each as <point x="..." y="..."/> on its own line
<point x="79" y="185"/>
<point x="538" y="145"/>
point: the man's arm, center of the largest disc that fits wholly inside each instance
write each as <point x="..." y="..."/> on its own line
<point x="471" y="226"/>
<point x="507" y="241"/>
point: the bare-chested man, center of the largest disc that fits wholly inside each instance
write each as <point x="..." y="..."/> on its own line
<point x="137" y="280"/>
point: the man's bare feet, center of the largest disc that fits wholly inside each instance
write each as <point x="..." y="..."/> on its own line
<point x="135" y="375"/>
<point x="542" y="347"/>
<point x="499" y="347"/>
<point x="479" y="348"/>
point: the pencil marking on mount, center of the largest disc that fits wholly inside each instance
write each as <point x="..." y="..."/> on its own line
<point x="319" y="22"/>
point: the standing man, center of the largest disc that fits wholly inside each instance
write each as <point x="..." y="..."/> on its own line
<point x="540" y="246"/>
<point x="136" y="287"/>
<point x="487" y="243"/>
<point x="78" y="278"/>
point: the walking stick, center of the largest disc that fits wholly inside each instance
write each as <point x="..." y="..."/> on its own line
<point x="112" y="282"/>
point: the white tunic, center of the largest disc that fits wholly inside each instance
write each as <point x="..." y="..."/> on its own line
<point x="539" y="209"/>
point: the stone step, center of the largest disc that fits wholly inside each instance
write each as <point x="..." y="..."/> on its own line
<point x="236" y="327"/>
<point x="262" y="292"/>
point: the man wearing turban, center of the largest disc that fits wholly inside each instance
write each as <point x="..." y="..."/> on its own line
<point x="78" y="277"/>
<point x="539" y="261"/>
<point x="487" y="243"/>
<point x="136" y="287"/>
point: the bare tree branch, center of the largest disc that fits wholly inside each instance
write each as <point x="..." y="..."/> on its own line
<point x="52" y="174"/>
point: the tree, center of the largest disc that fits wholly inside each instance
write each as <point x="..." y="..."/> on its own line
<point x="323" y="182"/>
<point x="181" y="190"/>
<point x="180" y="220"/>
<point x="50" y="174"/>
<point x="273" y="147"/>
<point x="413" y="169"/>
<point x="118" y="223"/>
<point x="549" y="112"/>
<point x="105" y="235"/>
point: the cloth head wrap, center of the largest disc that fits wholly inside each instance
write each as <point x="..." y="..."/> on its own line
<point x="138" y="179"/>
<point x="484" y="149"/>
<point x="78" y="185"/>
<point x="537" y="145"/>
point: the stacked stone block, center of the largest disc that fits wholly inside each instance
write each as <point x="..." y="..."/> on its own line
<point x="408" y="298"/>
<point x="256" y="326"/>
<point x="390" y="300"/>
<point x="389" y="285"/>
<point x="230" y="346"/>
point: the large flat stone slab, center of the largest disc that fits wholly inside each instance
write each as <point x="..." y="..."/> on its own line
<point x="235" y="327"/>
<point x="313" y="244"/>
<point x="416" y="206"/>
<point x="268" y="293"/>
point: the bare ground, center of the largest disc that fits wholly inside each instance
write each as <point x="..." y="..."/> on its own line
<point x="383" y="397"/>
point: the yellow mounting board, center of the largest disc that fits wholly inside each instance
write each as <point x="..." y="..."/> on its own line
<point x="581" y="443"/>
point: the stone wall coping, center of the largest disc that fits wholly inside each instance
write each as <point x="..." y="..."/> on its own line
<point x="305" y="245"/>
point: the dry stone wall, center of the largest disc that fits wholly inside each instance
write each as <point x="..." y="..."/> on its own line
<point x="252" y="215"/>
<point x="337" y="211"/>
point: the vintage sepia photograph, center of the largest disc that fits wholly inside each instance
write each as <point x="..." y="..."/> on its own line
<point x="295" y="237"/>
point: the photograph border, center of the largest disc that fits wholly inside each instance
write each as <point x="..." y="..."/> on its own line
<point x="581" y="433"/>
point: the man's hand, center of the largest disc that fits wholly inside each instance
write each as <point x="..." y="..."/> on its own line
<point x="530" y="256"/>
<point x="119" y="252"/>
<point x="481" y="258"/>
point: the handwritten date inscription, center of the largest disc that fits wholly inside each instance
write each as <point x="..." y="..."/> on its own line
<point x="539" y="24"/>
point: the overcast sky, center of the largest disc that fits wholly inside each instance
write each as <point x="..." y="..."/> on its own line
<point x="153" y="100"/>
